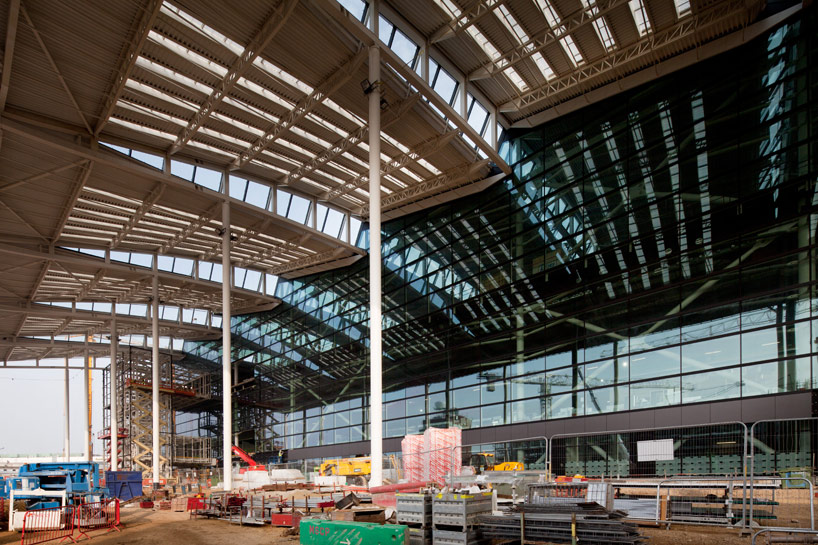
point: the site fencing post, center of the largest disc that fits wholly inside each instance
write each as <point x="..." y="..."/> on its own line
<point x="752" y="455"/>
<point x="453" y="449"/>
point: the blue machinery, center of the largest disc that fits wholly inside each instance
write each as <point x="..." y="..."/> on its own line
<point x="44" y="485"/>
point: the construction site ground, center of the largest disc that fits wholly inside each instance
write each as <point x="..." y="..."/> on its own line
<point x="149" y="527"/>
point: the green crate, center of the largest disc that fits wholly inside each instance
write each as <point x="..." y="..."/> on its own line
<point x="340" y="532"/>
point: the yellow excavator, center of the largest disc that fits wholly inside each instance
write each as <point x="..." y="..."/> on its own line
<point x="484" y="461"/>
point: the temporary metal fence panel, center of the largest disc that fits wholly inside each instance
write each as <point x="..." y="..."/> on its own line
<point x="705" y="501"/>
<point x="42" y="525"/>
<point x="712" y="449"/>
<point x="98" y="516"/>
<point x="573" y="493"/>
<point x="782" y="502"/>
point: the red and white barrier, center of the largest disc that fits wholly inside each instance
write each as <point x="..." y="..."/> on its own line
<point x="41" y="525"/>
<point x="97" y="516"/>
<point x="438" y="461"/>
<point x="412" y="457"/>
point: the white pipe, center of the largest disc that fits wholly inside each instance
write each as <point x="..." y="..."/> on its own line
<point x="375" y="368"/>
<point x="86" y="376"/>
<point x="114" y="428"/>
<point x="157" y="449"/>
<point x="227" y="394"/>
<point x="67" y="447"/>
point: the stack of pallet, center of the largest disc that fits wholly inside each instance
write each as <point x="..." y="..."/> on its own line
<point x="438" y="457"/>
<point x="552" y="523"/>
<point x="415" y="511"/>
<point x="455" y="517"/>
<point x="178" y="504"/>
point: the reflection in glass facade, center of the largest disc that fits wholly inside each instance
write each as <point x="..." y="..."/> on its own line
<point x="652" y="250"/>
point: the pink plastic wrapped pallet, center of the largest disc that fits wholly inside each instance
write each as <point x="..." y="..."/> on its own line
<point x="437" y="457"/>
<point x="411" y="448"/>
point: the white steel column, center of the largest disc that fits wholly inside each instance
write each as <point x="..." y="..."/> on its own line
<point x="86" y="393"/>
<point x="67" y="447"/>
<point x="227" y="386"/>
<point x="375" y="367"/>
<point x="114" y="427"/>
<point x="157" y="449"/>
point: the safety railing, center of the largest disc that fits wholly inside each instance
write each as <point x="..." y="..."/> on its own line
<point x="769" y="531"/>
<point x="796" y="502"/>
<point x="97" y="516"/>
<point x="43" y="525"/>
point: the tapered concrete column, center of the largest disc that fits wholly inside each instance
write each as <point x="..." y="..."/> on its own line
<point x="67" y="446"/>
<point x="227" y="386"/>
<point x="157" y="449"/>
<point x="114" y="429"/>
<point x="375" y="350"/>
<point x="86" y="393"/>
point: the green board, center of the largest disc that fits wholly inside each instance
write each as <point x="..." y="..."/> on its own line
<point x="339" y="532"/>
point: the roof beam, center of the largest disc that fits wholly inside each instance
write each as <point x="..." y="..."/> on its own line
<point x="139" y="36"/>
<point x="352" y="140"/>
<point x="72" y="201"/>
<point x="262" y="39"/>
<point x="450" y="179"/>
<point x="568" y="25"/>
<point x="139" y="213"/>
<point x="304" y="262"/>
<point x="8" y="54"/>
<point x="40" y="176"/>
<point x="67" y="259"/>
<point x="57" y="313"/>
<point x="337" y="12"/>
<point x="145" y="172"/>
<point x="477" y="11"/>
<point x="291" y="245"/>
<point x="304" y="106"/>
<point x="424" y="149"/>
<point x="644" y="48"/>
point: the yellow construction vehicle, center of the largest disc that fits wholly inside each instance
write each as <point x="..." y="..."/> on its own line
<point x="356" y="470"/>
<point x="484" y="461"/>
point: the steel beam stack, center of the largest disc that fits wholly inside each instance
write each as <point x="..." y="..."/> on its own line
<point x="553" y="524"/>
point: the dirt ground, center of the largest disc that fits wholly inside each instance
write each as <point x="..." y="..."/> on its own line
<point x="146" y="527"/>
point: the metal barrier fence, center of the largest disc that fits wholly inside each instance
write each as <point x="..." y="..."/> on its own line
<point x="42" y="525"/>
<point x="702" y="501"/>
<point x="503" y="453"/>
<point x="712" y="449"/>
<point x="768" y="531"/>
<point x="98" y="515"/>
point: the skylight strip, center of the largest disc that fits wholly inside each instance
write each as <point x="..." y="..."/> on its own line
<point x="516" y="79"/>
<point x="187" y="54"/>
<point x="235" y="122"/>
<point x="548" y="12"/>
<point x="573" y="51"/>
<point x="640" y="16"/>
<point x="449" y="7"/>
<point x="162" y="116"/>
<point x="172" y="75"/>
<point x="201" y="28"/>
<point x="278" y="73"/>
<point x="138" y="87"/>
<point x="544" y="67"/>
<point x="143" y="129"/>
<point x="266" y="93"/>
<point x="512" y="25"/>
<point x="682" y="8"/>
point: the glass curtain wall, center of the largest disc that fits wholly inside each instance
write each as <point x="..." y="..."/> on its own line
<point x="652" y="250"/>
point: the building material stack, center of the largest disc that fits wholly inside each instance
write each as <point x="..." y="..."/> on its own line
<point x="415" y="511"/>
<point x="456" y="517"/>
<point x="412" y="457"/>
<point x="440" y="457"/>
<point x="564" y="513"/>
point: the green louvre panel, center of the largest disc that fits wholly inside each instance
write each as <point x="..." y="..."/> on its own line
<point x="340" y="532"/>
